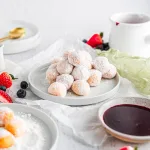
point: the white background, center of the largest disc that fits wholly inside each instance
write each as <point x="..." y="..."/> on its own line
<point x="58" y="17"/>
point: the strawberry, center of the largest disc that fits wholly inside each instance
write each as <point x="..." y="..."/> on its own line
<point x="95" y="40"/>
<point x="128" y="148"/>
<point x="4" y="97"/>
<point x="5" y="80"/>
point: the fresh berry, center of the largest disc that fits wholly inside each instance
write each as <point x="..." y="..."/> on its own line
<point x="23" y="84"/>
<point x="127" y="148"/>
<point x="84" y="41"/>
<point x="117" y="23"/>
<point x="5" y="80"/>
<point x="95" y="40"/>
<point x="21" y="93"/>
<point x="3" y="88"/>
<point x="106" y="46"/>
<point x="4" y="97"/>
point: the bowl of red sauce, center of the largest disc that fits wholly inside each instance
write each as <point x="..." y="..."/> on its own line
<point x="127" y="118"/>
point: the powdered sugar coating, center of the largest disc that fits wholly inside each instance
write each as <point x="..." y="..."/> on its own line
<point x="4" y="133"/>
<point x="111" y="73"/>
<point x="66" y="53"/>
<point x="75" y="58"/>
<point x="5" y="114"/>
<point x="95" y="77"/>
<point x="101" y="64"/>
<point x="52" y="73"/>
<point x="56" y="60"/>
<point x="57" y="89"/>
<point x="65" y="79"/>
<point x="87" y="64"/>
<point x="86" y="55"/>
<point x="64" y="67"/>
<point x="80" y="73"/>
<point x="81" y="87"/>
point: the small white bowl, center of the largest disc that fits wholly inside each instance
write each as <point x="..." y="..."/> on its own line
<point x="118" y="101"/>
<point x="30" y="40"/>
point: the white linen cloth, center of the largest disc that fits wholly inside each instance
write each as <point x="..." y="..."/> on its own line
<point x="80" y="123"/>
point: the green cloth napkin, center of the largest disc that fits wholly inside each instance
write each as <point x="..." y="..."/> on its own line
<point x="136" y="69"/>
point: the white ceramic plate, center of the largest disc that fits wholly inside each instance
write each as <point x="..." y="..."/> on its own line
<point x="124" y="100"/>
<point x="29" y="41"/>
<point x="49" y="127"/>
<point x="39" y="86"/>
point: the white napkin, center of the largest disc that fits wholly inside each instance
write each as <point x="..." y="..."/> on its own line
<point x="81" y="123"/>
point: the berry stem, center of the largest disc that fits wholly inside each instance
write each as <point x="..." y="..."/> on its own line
<point x="101" y="34"/>
<point x="136" y="148"/>
<point x="12" y="76"/>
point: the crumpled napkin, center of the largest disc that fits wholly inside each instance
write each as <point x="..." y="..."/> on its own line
<point x="81" y="123"/>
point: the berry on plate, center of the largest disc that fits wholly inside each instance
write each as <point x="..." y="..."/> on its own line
<point x="95" y="40"/>
<point x="21" y="93"/>
<point x="4" y="97"/>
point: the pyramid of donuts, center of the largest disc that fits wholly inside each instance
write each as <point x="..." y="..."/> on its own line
<point x="76" y="71"/>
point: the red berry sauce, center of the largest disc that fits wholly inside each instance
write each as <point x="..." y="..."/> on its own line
<point x="128" y="119"/>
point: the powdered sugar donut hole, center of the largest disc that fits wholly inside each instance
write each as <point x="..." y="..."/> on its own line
<point x="95" y="77"/>
<point x="6" y="114"/>
<point x="65" y="79"/>
<point x="80" y="73"/>
<point x="57" y="89"/>
<point x="86" y="55"/>
<point x="64" y="67"/>
<point x="52" y="73"/>
<point x="81" y="87"/>
<point x="16" y="126"/>
<point x="75" y="58"/>
<point x="111" y="73"/>
<point x="101" y="64"/>
<point x="66" y="53"/>
<point x="6" y="139"/>
<point x="56" y="60"/>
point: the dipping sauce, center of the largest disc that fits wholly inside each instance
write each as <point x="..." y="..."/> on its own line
<point x="128" y="119"/>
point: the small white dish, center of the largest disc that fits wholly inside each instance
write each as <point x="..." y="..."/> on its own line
<point x="30" y="40"/>
<point x="118" y="101"/>
<point x="49" y="126"/>
<point x="39" y="86"/>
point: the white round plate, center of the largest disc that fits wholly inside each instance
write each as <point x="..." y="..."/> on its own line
<point x="49" y="127"/>
<point x="39" y="86"/>
<point x="119" y="101"/>
<point x="30" y="40"/>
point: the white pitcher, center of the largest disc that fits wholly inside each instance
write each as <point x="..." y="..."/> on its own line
<point x="2" y="63"/>
<point x="130" y="33"/>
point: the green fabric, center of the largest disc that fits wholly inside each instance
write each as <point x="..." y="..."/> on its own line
<point x="135" y="69"/>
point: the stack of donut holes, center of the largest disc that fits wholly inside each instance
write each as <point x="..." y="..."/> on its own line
<point x="76" y="70"/>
